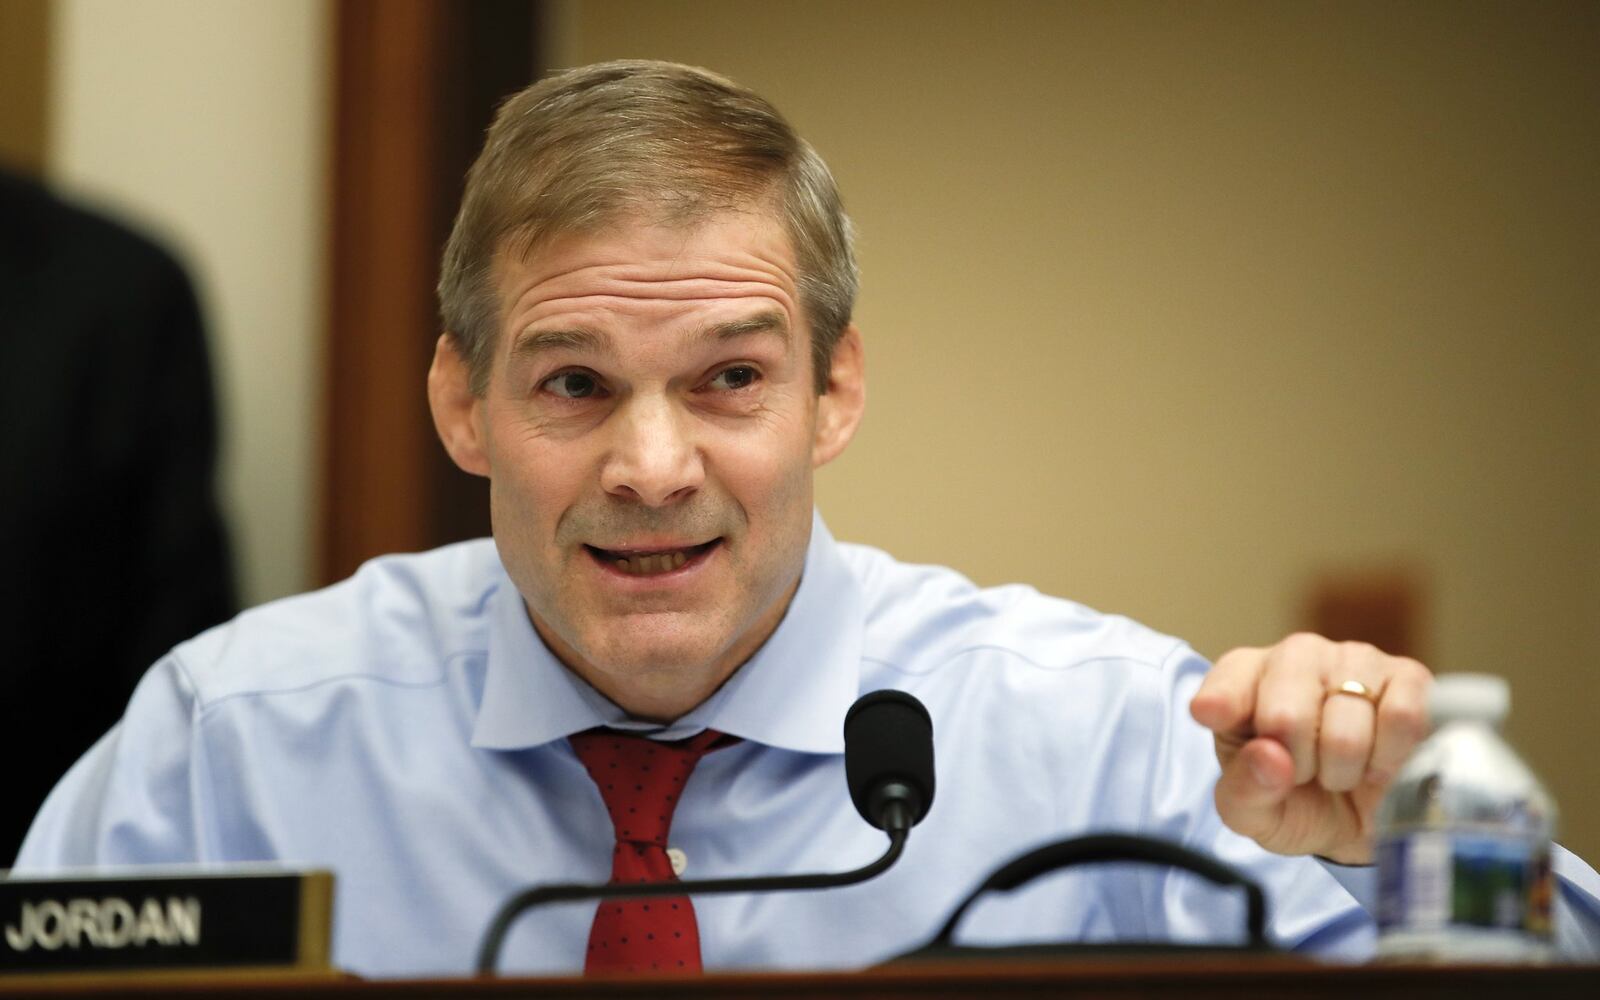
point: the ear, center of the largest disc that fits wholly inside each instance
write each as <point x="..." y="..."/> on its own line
<point x="457" y="412"/>
<point x="839" y="409"/>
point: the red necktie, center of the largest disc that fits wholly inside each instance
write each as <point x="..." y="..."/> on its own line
<point x="640" y="780"/>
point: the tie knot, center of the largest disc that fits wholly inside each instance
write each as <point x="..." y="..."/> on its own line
<point x="641" y="779"/>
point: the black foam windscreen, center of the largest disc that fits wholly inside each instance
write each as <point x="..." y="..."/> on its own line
<point x="888" y="737"/>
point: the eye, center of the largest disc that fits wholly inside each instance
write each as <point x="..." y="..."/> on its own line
<point x="737" y="377"/>
<point x="572" y="385"/>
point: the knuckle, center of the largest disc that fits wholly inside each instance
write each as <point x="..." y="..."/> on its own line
<point x="1304" y="650"/>
<point x="1408" y="721"/>
<point x="1354" y="649"/>
<point x="1414" y="670"/>
<point x="1301" y="643"/>
<point x="1282" y="720"/>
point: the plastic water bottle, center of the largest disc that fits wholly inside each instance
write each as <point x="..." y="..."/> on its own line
<point x="1464" y="840"/>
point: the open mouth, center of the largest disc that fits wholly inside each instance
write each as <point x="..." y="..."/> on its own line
<point x="653" y="562"/>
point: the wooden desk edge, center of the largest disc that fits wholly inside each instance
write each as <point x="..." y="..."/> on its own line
<point x="1120" y="977"/>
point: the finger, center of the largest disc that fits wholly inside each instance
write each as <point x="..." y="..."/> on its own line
<point x="1257" y="797"/>
<point x="1253" y="790"/>
<point x="1289" y="698"/>
<point x="1402" y="720"/>
<point x="1345" y="736"/>
<point x="1226" y="701"/>
<point x="1344" y="742"/>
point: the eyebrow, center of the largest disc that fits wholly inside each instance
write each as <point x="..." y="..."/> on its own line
<point x="770" y="321"/>
<point x="530" y="343"/>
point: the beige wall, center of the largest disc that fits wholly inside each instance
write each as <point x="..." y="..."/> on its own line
<point x="204" y="122"/>
<point x="1170" y="306"/>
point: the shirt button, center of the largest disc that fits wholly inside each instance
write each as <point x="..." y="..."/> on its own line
<point x="679" y="860"/>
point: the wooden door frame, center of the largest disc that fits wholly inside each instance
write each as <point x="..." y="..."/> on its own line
<point x="415" y="83"/>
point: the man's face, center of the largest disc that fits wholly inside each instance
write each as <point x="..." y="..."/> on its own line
<point x="650" y="430"/>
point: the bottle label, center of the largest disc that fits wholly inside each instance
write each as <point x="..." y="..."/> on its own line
<point x="1430" y="880"/>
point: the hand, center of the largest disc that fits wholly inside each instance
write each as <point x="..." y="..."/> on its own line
<point x="1303" y="770"/>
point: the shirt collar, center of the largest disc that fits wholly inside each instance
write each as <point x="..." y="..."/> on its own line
<point x="793" y="693"/>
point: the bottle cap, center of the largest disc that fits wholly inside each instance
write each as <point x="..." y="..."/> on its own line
<point x="1469" y="696"/>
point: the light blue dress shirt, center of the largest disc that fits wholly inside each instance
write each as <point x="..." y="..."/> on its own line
<point x="406" y="728"/>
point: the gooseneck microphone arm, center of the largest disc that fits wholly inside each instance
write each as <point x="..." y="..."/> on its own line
<point x="888" y="762"/>
<point x="494" y="938"/>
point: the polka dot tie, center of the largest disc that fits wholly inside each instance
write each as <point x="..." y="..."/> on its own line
<point x="640" y="780"/>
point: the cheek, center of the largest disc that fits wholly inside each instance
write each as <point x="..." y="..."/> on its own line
<point x="523" y="517"/>
<point x="530" y="484"/>
<point x="773" y="480"/>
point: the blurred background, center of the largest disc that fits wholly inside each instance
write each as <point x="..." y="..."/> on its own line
<point x="1233" y="317"/>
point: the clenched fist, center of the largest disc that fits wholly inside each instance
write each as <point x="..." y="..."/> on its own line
<point x="1310" y="733"/>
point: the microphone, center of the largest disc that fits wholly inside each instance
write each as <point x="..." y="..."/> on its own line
<point x="888" y="764"/>
<point x="888" y="759"/>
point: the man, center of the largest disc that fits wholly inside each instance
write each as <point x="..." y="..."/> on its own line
<point x="648" y="295"/>
<point x="108" y="444"/>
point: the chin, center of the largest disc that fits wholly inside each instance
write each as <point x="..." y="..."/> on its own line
<point x="624" y="661"/>
<point x="634" y="648"/>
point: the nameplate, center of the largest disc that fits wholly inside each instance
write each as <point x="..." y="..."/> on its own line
<point x="167" y="920"/>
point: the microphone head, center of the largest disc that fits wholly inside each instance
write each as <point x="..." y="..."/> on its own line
<point x="888" y="758"/>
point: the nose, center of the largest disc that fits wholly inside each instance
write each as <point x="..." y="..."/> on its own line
<point x="654" y="458"/>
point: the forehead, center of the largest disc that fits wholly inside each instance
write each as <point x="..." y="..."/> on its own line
<point x="725" y="257"/>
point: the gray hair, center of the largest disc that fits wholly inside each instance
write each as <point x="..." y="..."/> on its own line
<point x="580" y="149"/>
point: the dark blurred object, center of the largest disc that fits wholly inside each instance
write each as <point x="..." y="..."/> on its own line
<point x="1383" y="606"/>
<point x="111" y="545"/>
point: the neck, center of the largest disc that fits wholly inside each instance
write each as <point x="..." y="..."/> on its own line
<point x="664" y="693"/>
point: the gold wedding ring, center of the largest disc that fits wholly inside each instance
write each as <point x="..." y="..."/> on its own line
<point x="1358" y="689"/>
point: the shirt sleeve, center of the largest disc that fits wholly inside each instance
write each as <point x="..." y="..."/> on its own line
<point x="131" y="798"/>
<point x="1308" y="910"/>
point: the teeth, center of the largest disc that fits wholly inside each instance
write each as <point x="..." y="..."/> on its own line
<point x="651" y="564"/>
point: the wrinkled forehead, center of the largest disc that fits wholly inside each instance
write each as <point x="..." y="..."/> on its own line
<point x="743" y="249"/>
<point x="686" y="208"/>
